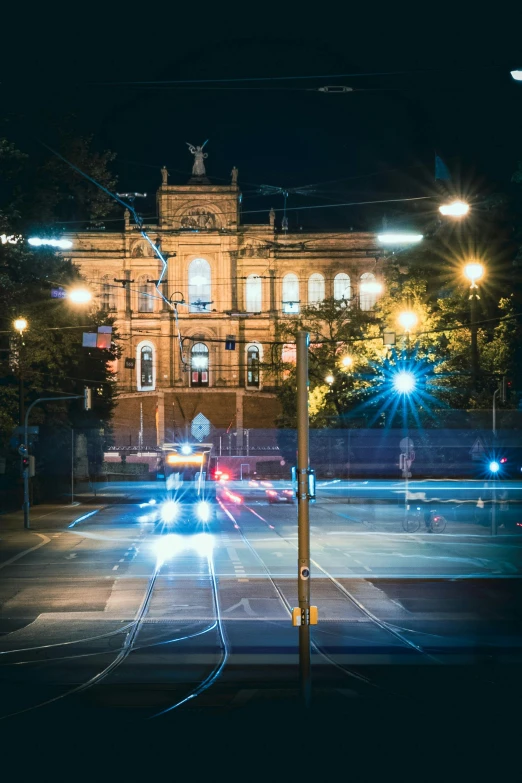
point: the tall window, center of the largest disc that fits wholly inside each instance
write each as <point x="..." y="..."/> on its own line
<point x="107" y="293"/>
<point x="290" y="293"/>
<point x="342" y="288"/>
<point x="253" y="294"/>
<point x="315" y="289"/>
<point x="368" y="289"/>
<point x="253" y="366"/>
<point x="199" y="288"/>
<point x="146" y="294"/>
<point x="199" y="365"/>
<point x="146" y="370"/>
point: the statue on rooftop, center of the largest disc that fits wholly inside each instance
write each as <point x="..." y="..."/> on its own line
<point x="198" y="169"/>
<point x="164" y="175"/>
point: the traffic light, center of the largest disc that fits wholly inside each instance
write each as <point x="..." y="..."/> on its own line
<point x="28" y="463"/>
<point x="87" y="399"/>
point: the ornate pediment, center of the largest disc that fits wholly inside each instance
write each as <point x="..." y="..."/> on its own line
<point x="198" y="218"/>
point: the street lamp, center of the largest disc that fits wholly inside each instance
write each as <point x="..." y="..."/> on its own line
<point x="407" y="319"/>
<point x="79" y="295"/>
<point x="347" y="361"/>
<point x="455" y="209"/>
<point x="404" y="382"/>
<point x="20" y="324"/>
<point x="329" y="379"/>
<point x="517" y="74"/>
<point x="474" y="271"/>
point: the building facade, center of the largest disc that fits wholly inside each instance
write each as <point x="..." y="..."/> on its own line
<point x="176" y="376"/>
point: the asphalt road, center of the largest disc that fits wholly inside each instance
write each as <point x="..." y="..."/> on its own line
<point x="107" y="617"/>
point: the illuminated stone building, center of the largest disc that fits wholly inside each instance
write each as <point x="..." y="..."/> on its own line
<point x="231" y="279"/>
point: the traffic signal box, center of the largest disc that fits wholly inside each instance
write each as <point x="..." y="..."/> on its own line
<point x="299" y="616"/>
<point x="28" y="463"/>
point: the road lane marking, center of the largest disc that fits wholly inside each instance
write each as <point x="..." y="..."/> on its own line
<point x="26" y="551"/>
<point x="115" y="568"/>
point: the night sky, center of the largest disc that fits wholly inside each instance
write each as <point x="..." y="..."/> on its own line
<point x="440" y="83"/>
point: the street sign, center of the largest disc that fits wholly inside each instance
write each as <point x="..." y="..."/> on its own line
<point x="406" y="445"/>
<point x="130" y="364"/>
<point x="477" y="450"/>
<point x="58" y="293"/>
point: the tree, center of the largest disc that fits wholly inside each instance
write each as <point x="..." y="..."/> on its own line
<point x="49" y="355"/>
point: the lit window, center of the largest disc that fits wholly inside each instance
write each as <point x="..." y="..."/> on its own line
<point x="253" y="294"/>
<point x="199" y="369"/>
<point x="199" y="288"/>
<point x="146" y="374"/>
<point x="146" y="294"/>
<point x="342" y="288"/>
<point x="290" y="293"/>
<point x="368" y="290"/>
<point x="315" y="289"/>
<point x="253" y="366"/>
<point x="107" y="294"/>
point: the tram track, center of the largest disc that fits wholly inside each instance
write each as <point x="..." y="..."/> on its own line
<point x="129" y="646"/>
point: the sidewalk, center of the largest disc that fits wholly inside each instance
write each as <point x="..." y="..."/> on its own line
<point x="15" y="540"/>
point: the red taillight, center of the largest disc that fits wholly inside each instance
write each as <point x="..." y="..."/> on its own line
<point x="271" y="492"/>
<point x="503" y="460"/>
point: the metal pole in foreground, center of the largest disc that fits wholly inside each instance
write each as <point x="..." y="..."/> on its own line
<point x="303" y="520"/>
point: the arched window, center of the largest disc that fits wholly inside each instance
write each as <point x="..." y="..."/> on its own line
<point x="146" y="295"/>
<point x="199" y="369"/>
<point x="199" y="288"/>
<point x="146" y="362"/>
<point x="315" y="289"/>
<point x="342" y="288"/>
<point x="368" y="290"/>
<point x="290" y="293"/>
<point x="253" y="357"/>
<point x="107" y="293"/>
<point x="253" y="294"/>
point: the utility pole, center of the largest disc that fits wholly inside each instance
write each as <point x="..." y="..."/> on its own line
<point x="304" y="615"/>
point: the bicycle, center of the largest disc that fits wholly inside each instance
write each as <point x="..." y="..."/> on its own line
<point x="435" y="523"/>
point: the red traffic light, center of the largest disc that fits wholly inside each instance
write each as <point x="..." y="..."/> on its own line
<point x="503" y="460"/>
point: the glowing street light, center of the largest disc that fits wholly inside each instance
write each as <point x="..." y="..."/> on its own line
<point x="347" y="361"/>
<point x="408" y="319"/>
<point x="79" y="295"/>
<point x="329" y="379"/>
<point x="63" y="244"/>
<point x="399" y="239"/>
<point x="494" y="467"/>
<point x="20" y="324"/>
<point x="474" y="271"/>
<point x="517" y="74"/>
<point x="404" y="382"/>
<point x="455" y="209"/>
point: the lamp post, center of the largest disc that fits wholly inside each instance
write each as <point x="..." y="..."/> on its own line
<point x="20" y="324"/>
<point x="408" y="320"/>
<point x="474" y="271"/>
<point x="404" y="384"/>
